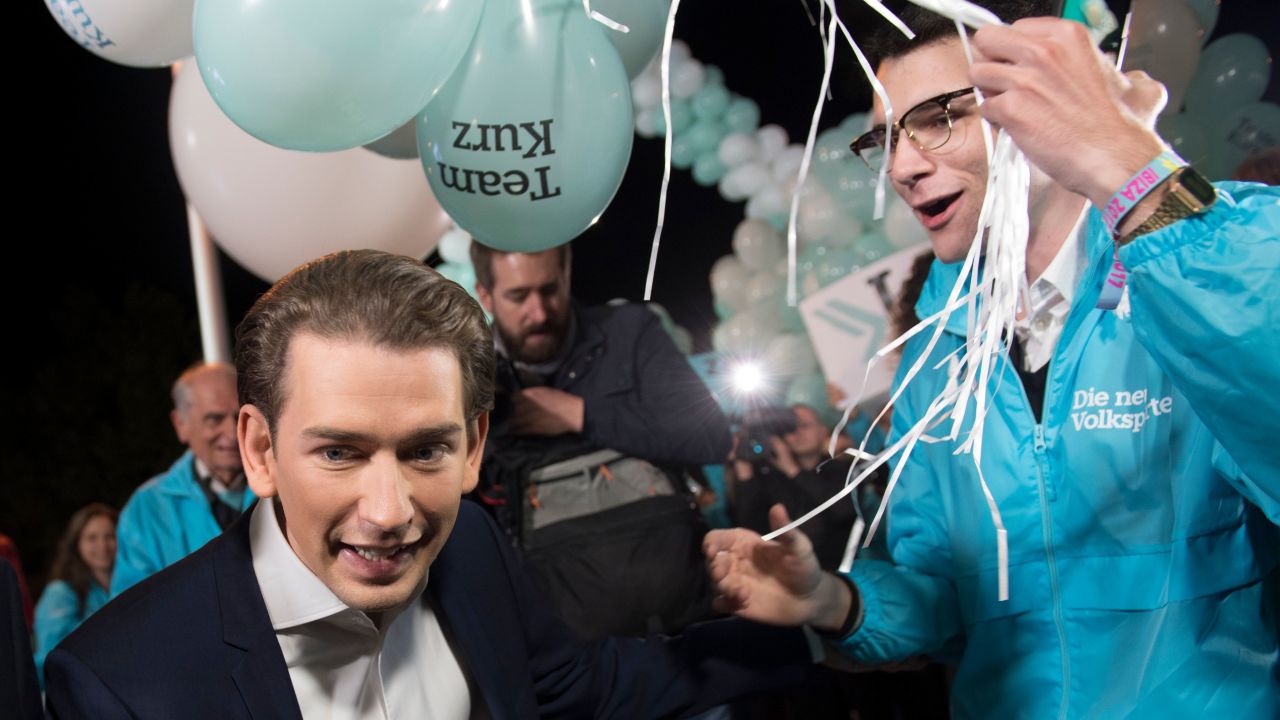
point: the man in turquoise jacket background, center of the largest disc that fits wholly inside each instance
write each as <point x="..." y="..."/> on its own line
<point x="1130" y="450"/>
<point x="175" y="513"/>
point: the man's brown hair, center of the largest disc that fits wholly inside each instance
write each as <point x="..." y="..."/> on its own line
<point x="388" y="300"/>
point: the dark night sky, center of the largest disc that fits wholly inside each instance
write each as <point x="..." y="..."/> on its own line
<point x="102" y="311"/>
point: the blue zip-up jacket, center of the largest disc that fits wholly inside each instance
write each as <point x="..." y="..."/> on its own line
<point x="58" y="613"/>
<point x="166" y="519"/>
<point x="1141" y="513"/>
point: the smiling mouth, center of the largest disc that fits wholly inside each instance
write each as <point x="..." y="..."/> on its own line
<point x="373" y="555"/>
<point x="937" y="207"/>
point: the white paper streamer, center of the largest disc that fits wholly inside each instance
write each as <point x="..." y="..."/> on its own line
<point x="603" y="19"/>
<point x="666" y="150"/>
<point x="990" y="286"/>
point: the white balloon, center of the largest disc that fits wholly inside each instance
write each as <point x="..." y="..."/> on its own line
<point x="646" y="92"/>
<point x="773" y="140"/>
<point x="647" y="122"/>
<point x="746" y="180"/>
<point x="139" y="33"/>
<point x="737" y="148"/>
<point x="758" y="245"/>
<point x="764" y="286"/>
<point x="787" y="163"/>
<point x="768" y="201"/>
<point x="686" y="78"/>
<point x="273" y="209"/>
<point x="818" y="218"/>
<point x="679" y="52"/>
<point x="455" y="246"/>
<point x="729" y="282"/>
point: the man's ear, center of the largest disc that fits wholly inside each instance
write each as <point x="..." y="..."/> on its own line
<point x="179" y="420"/>
<point x="485" y="297"/>
<point x="257" y="451"/>
<point x="477" y="431"/>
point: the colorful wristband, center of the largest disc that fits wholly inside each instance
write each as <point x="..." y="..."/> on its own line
<point x="1113" y="286"/>
<point x="1147" y="179"/>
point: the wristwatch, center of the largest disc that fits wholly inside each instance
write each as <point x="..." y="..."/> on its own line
<point x="1189" y="194"/>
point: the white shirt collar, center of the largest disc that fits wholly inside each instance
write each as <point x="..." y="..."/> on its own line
<point x="1064" y="271"/>
<point x="293" y="594"/>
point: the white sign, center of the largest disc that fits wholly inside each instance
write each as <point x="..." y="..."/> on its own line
<point x="849" y="320"/>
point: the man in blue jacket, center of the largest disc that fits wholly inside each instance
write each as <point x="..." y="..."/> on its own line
<point x="1130" y="451"/>
<point x="201" y="494"/>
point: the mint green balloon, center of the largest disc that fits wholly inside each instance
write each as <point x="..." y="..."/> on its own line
<point x="1234" y="70"/>
<point x="681" y="118"/>
<point x="742" y="115"/>
<point x="705" y="135"/>
<point x="1186" y="136"/>
<point x="710" y="102"/>
<point x="707" y="169"/>
<point x="683" y="153"/>
<point x="326" y="75"/>
<point x="527" y="142"/>
<point x="646" y="21"/>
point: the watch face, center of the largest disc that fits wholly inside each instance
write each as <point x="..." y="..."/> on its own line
<point x="1196" y="186"/>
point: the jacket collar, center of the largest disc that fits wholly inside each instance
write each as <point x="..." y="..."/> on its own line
<point x="942" y="277"/>
<point x="180" y="478"/>
<point x="261" y="675"/>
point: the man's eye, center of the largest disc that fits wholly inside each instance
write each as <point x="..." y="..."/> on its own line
<point x="428" y="453"/>
<point x="335" y="454"/>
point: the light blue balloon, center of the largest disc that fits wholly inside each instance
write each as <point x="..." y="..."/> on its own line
<point x="832" y="157"/>
<point x="836" y="264"/>
<point x="707" y="169"/>
<point x="705" y="135"/>
<point x="1186" y="136"/>
<point x="853" y="126"/>
<point x="871" y="247"/>
<point x="1234" y="70"/>
<point x="723" y="311"/>
<point x="710" y="102"/>
<point x="712" y="75"/>
<point x="1206" y="12"/>
<point x="327" y="75"/>
<point x="462" y="273"/>
<point x="683" y="153"/>
<point x="1242" y="132"/>
<point x="681" y="118"/>
<point x="742" y="115"/>
<point x="646" y="20"/>
<point x="527" y="143"/>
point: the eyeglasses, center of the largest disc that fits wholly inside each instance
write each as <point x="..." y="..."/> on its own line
<point x="927" y="125"/>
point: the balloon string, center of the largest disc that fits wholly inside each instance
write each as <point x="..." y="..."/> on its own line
<point x="828" y="55"/>
<point x="666" y="150"/>
<point x="603" y="19"/>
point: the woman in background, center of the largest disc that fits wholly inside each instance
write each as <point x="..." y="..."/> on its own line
<point x="79" y="579"/>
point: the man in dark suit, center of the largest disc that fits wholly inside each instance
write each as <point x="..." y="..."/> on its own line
<point x="365" y="381"/>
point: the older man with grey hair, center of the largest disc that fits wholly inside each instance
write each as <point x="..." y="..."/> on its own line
<point x="203" y="492"/>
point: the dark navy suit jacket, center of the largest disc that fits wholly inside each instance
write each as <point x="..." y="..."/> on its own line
<point x="195" y="641"/>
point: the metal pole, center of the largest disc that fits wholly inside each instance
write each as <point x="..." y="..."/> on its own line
<point x="209" y="297"/>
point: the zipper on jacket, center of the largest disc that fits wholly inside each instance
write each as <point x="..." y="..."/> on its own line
<point x="1050" y="488"/>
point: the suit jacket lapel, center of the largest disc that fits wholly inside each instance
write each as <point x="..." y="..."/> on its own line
<point x="261" y="675"/>
<point x="472" y="638"/>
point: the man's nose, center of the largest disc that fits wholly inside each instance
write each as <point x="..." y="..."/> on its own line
<point x="536" y="309"/>
<point x="908" y="163"/>
<point x="385" y="501"/>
